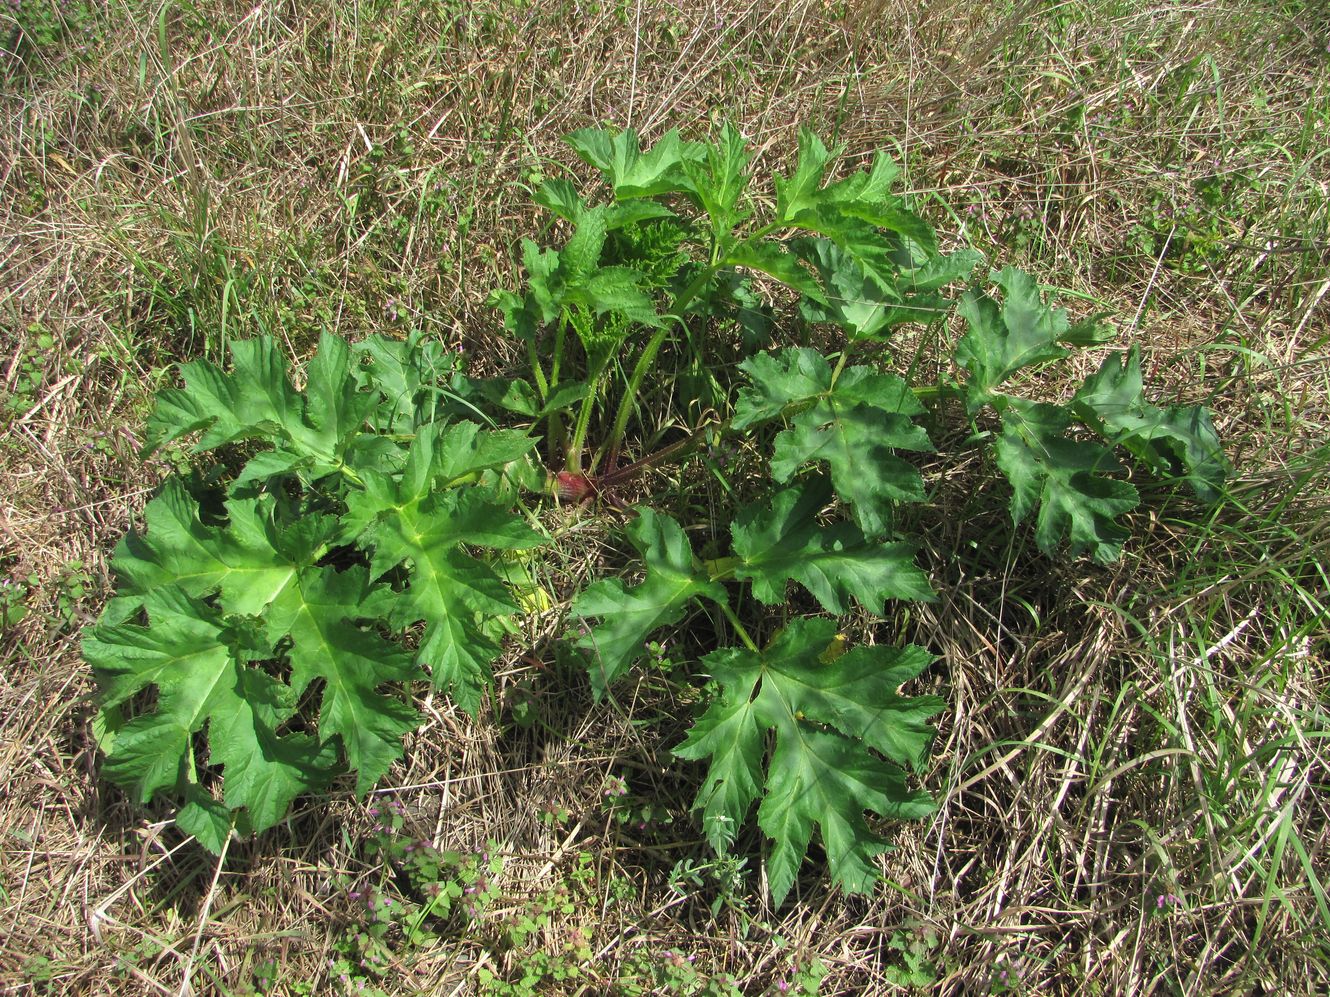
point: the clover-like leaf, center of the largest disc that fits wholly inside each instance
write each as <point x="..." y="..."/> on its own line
<point x="842" y="731"/>
<point x="629" y="614"/>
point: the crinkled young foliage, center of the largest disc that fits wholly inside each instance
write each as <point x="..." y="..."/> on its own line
<point x="269" y="619"/>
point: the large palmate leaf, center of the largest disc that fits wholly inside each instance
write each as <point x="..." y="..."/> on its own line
<point x="249" y="561"/>
<point x="629" y="615"/>
<point x="256" y="401"/>
<point x="1180" y="440"/>
<point x="1002" y="339"/>
<point x="782" y="541"/>
<point x="199" y="668"/>
<point x="415" y="520"/>
<point x="1068" y="481"/>
<point x="854" y="423"/>
<point x="842" y="734"/>
<point x="318" y="614"/>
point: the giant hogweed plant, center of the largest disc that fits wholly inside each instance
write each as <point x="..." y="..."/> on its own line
<point x="371" y="530"/>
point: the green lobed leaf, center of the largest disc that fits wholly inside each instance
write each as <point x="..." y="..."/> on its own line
<point x="834" y="721"/>
<point x="319" y="616"/>
<point x="857" y="441"/>
<point x="1179" y="441"/>
<point x="719" y="180"/>
<point x="409" y="375"/>
<point x="793" y="378"/>
<point x="1068" y="481"/>
<point x="1002" y="339"/>
<point x="853" y="423"/>
<point x="631" y="172"/>
<point x="416" y="522"/>
<point x="866" y="309"/>
<point x="629" y="615"/>
<point x="853" y="212"/>
<point x="781" y="541"/>
<point x="248" y="561"/>
<point x="775" y="260"/>
<point x="256" y="401"/>
<point x="184" y="653"/>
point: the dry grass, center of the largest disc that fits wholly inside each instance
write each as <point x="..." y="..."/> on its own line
<point x="179" y="177"/>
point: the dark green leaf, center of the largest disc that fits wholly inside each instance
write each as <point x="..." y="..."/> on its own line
<point x="782" y="541"/>
<point x="1067" y="480"/>
<point x="629" y="615"/>
<point x="1001" y="340"/>
<point x="1177" y="441"/>
<point x="821" y="773"/>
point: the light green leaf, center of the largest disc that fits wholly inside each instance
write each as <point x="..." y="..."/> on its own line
<point x="184" y="653"/>
<point x="408" y="375"/>
<point x="631" y="172"/>
<point x="415" y="523"/>
<point x="775" y="260"/>
<point x="799" y="193"/>
<point x="319" y="614"/>
<point x="255" y="401"/>
<point x="779" y="381"/>
<point x="719" y="183"/>
<point x="249" y="561"/>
